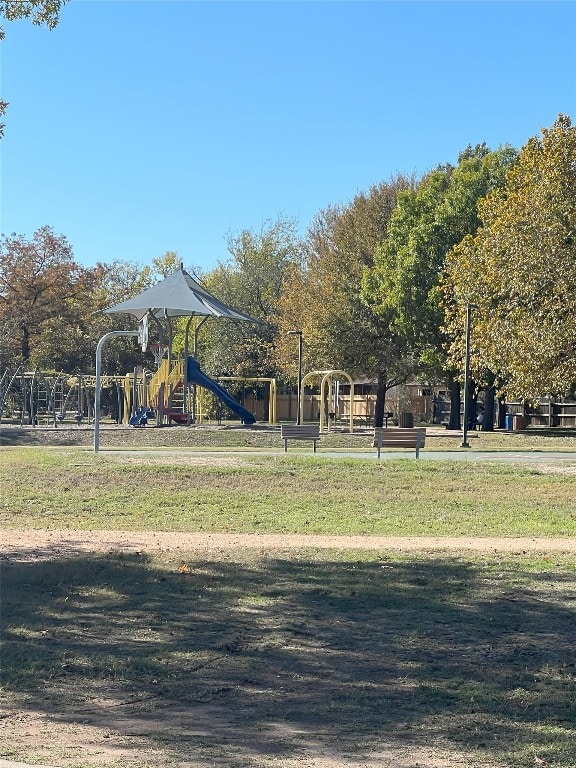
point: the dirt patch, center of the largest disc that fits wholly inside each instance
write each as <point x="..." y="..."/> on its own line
<point x="33" y="544"/>
<point x="181" y="458"/>
<point x="126" y="742"/>
<point x="556" y="469"/>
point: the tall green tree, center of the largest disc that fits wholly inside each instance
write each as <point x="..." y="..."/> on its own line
<point x="251" y="281"/>
<point x="520" y="271"/>
<point x="324" y="299"/>
<point x="404" y="283"/>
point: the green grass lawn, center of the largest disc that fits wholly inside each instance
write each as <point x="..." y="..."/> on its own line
<point x="54" y="488"/>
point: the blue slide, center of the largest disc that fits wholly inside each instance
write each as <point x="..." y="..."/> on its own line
<point x="195" y="375"/>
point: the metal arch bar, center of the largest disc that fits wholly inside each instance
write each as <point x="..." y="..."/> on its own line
<point x="325" y="376"/>
<point x="328" y="376"/>
<point x="99" y="347"/>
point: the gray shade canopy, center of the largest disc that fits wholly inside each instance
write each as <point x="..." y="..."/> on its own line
<point x="179" y="295"/>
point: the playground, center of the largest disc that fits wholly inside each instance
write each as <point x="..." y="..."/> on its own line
<point x="177" y="391"/>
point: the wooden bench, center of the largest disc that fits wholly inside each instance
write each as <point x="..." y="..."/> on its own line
<point x="299" y="432"/>
<point x="395" y="437"/>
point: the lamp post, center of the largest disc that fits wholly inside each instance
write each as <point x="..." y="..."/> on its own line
<point x="465" y="443"/>
<point x="299" y="334"/>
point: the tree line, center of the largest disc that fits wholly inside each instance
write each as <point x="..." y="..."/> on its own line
<point x="378" y="286"/>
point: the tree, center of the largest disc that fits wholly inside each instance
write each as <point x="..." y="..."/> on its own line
<point x="166" y="264"/>
<point x="45" y="298"/>
<point x="324" y="298"/>
<point x="404" y="283"/>
<point x="250" y="281"/>
<point x="520" y="271"/>
<point x="42" y="12"/>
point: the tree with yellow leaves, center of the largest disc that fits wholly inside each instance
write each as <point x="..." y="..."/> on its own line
<point x="519" y="271"/>
<point x="428" y="221"/>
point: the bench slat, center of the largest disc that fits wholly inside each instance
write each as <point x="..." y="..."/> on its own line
<point x="399" y="441"/>
<point x="305" y="432"/>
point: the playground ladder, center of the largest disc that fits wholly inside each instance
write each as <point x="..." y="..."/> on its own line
<point x="172" y="379"/>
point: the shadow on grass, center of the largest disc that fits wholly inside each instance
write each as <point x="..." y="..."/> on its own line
<point x="272" y="656"/>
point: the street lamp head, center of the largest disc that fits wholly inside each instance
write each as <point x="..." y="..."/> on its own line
<point x="294" y="333"/>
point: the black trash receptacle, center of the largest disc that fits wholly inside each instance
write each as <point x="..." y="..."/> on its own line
<point x="406" y="420"/>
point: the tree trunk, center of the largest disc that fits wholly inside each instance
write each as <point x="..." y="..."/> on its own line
<point x="501" y="413"/>
<point x="25" y="346"/>
<point x="472" y="406"/>
<point x="488" y="422"/>
<point x="381" y="390"/>
<point x="455" y="402"/>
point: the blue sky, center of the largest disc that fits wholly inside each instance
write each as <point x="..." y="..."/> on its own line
<point x="137" y="127"/>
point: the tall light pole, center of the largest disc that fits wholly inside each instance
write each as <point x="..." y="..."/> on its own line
<point x="465" y="443"/>
<point x="299" y="334"/>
